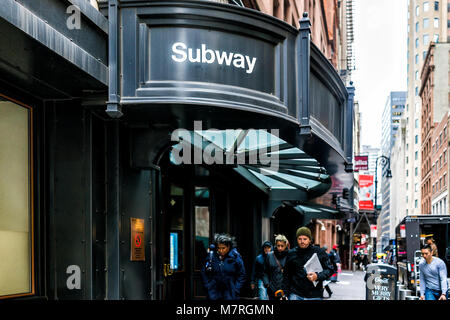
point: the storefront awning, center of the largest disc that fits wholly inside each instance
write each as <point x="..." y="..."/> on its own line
<point x="274" y="166"/>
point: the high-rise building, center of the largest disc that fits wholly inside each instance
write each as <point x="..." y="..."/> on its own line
<point x="393" y="110"/>
<point x="434" y="92"/>
<point x="427" y="22"/>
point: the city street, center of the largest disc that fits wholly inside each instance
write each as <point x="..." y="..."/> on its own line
<point x="351" y="286"/>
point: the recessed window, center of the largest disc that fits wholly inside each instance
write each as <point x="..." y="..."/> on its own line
<point x="16" y="202"/>
<point x="436" y="22"/>
<point x="426" y="39"/>
<point x="436" y="6"/>
<point x="426" y="23"/>
<point x="417" y="11"/>
<point x="436" y="38"/>
<point x="426" y="6"/>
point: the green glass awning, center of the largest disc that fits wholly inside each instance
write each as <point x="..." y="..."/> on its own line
<point x="277" y="168"/>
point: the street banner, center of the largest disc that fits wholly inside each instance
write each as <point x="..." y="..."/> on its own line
<point x="361" y="163"/>
<point x="373" y="230"/>
<point x="366" y="192"/>
<point x="402" y="231"/>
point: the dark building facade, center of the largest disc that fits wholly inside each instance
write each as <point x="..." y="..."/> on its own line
<point x="132" y="134"/>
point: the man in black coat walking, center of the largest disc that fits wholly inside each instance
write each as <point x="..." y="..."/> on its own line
<point x="299" y="283"/>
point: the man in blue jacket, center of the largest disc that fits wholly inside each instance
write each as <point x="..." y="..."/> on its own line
<point x="224" y="273"/>
<point x="257" y="277"/>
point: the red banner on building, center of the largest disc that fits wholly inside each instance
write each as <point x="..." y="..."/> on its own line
<point x="366" y="192"/>
<point x="361" y="163"/>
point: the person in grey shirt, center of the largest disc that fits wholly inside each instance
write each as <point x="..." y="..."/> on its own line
<point x="433" y="276"/>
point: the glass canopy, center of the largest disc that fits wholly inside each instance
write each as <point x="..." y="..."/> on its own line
<point x="260" y="156"/>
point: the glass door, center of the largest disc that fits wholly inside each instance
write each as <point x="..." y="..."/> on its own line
<point x="174" y="239"/>
<point x="202" y="237"/>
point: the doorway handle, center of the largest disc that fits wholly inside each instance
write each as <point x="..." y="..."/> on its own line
<point x="167" y="270"/>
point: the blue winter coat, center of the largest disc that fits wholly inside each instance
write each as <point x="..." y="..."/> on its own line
<point x="226" y="278"/>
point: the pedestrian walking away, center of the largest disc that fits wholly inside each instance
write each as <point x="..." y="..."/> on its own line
<point x="223" y="273"/>
<point x="274" y="267"/>
<point x="327" y="281"/>
<point x="256" y="278"/>
<point x="432" y="243"/>
<point x="336" y="263"/>
<point x="301" y="285"/>
<point x="433" y="276"/>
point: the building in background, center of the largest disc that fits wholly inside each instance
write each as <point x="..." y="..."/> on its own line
<point x="398" y="183"/>
<point x="331" y="30"/>
<point x="392" y="113"/>
<point x="434" y="92"/>
<point x="427" y="22"/>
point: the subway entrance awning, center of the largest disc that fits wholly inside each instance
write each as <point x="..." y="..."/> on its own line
<point x="280" y="170"/>
<point x="316" y="211"/>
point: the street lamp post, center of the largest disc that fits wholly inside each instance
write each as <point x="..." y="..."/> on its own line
<point x="385" y="161"/>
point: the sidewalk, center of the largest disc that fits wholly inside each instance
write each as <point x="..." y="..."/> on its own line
<point x="351" y="286"/>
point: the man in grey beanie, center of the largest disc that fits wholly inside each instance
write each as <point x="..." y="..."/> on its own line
<point x="299" y="283"/>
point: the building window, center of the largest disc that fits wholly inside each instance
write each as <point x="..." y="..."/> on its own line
<point x="416" y="155"/>
<point x="424" y="55"/>
<point x="416" y="203"/>
<point x="426" y="23"/>
<point x="16" y="200"/>
<point x="417" y="91"/>
<point x="436" y="22"/>
<point x="407" y="173"/>
<point x="416" y="59"/>
<point x="416" y="171"/>
<point x="417" y="11"/>
<point x="417" y="42"/>
<point x="416" y="187"/>
<point x="416" y="76"/>
<point x="426" y="6"/>
<point x="416" y="139"/>
<point x="436" y="38"/>
<point x="426" y="39"/>
<point x="436" y="6"/>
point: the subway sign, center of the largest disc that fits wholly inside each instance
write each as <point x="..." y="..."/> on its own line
<point x="202" y="55"/>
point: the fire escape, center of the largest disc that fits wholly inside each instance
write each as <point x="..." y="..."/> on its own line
<point x="350" y="38"/>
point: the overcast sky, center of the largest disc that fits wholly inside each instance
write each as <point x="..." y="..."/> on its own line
<point x="380" y="48"/>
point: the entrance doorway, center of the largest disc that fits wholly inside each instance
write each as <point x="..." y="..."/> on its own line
<point x="286" y="221"/>
<point x="186" y="231"/>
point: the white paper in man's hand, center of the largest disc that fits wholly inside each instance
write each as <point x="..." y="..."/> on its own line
<point x="313" y="265"/>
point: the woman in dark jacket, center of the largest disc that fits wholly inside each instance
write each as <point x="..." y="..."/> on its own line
<point x="223" y="273"/>
<point x="274" y="267"/>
